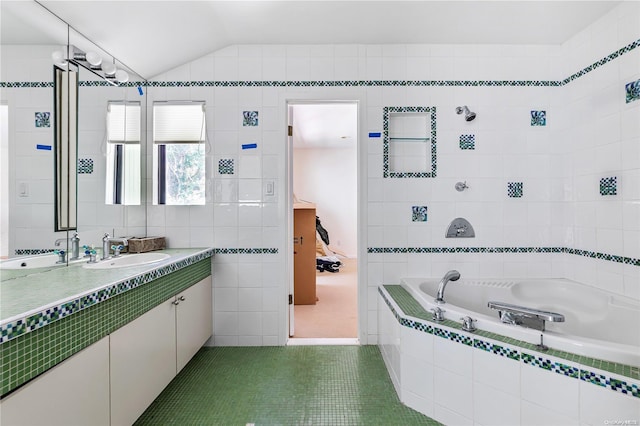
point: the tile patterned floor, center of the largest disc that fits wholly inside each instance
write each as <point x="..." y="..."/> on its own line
<point x="295" y="385"/>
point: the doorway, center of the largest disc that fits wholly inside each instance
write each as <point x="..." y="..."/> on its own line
<point x="323" y="151"/>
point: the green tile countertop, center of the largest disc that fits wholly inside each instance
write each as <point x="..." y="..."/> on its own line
<point x="24" y="294"/>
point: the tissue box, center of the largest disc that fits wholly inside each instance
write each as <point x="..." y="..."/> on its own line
<point x="141" y="245"/>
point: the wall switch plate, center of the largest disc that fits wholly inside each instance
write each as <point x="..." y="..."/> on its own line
<point x="269" y="188"/>
<point x="23" y="189"/>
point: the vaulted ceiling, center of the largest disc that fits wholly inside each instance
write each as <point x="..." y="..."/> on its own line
<point x="152" y="37"/>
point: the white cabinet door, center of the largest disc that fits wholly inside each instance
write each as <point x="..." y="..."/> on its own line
<point x="193" y="320"/>
<point x="143" y="362"/>
<point x="74" y="392"/>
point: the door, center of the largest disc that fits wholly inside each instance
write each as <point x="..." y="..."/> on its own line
<point x="324" y="171"/>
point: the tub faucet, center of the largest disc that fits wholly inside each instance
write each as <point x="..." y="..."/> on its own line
<point x="75" y="245"/>
<point x="452" y="275"/>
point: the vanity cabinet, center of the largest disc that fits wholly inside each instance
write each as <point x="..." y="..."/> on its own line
<point x="147" y="353"/>
<point x="74" y="392"/>
<point x="194" y="321"/>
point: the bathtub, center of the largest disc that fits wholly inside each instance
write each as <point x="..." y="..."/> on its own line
<point x="598" y="324"/>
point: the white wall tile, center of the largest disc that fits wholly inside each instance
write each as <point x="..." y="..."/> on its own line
<point x="550" y="390"/>
<point x="536" y="415"/>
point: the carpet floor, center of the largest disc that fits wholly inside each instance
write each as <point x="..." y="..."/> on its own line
<point x="335" y="314"/>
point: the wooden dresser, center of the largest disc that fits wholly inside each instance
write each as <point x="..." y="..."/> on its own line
<point x="304" y="253"/>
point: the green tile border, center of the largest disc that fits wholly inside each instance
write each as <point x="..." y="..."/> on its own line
<point x="523" y="351"/>
<point x="31" y="354"/>
<point x="441" y="250"/>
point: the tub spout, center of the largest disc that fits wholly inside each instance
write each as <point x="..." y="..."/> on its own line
<point x="452" y="275"/>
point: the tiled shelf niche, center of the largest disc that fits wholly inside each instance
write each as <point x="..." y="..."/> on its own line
<point x="409" y="141"/>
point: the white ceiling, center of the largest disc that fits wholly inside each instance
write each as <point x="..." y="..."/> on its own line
<point x="152" y="37"/>
<point x="331" y="125"/>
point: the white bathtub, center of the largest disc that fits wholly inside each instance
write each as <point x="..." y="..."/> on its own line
<point x="598" y="324"/>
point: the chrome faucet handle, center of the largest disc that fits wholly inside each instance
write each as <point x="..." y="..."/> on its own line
<point x="438" y="314"/>
<point x="116" y="250"/>
<point x="467" y="324"/>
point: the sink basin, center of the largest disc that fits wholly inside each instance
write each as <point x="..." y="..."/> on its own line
<point x="126" y="260"/>
<point x="31" y="262"/>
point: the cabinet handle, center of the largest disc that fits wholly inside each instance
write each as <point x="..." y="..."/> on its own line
<point x="182" y="298"/>
<point x="176" y="302"/>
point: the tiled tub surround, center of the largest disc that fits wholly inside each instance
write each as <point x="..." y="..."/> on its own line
<point x="458" y="377"/>
<point x="49" y="316"/>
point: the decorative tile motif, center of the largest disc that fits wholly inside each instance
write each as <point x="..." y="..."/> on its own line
<point x="250" y="118"/>
<point x="43" y="119"/>
<point x="623" y="387"/>
<point x="419" y="213"/>
<point x="245" y="251"/>
<point x="443" y="250"/>
<point x="609" y="186"/>
<point x="593" y="378"/>
<point x="632" y="91"/>
<point x="467" y="141"/>
<point x="515" y="189"/>
<point x="85" y="166"/>
<point x="225" y="166"/>
<point x="27" y="252"/>
<point x="538" y="118"/>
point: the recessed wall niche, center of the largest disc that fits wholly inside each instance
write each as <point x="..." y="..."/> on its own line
<point x="409" y="142"/>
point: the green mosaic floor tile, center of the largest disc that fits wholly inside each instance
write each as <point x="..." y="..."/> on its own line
<point x="295" y="385"/>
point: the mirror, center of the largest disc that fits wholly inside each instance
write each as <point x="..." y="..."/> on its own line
<point x="29" y="36"/>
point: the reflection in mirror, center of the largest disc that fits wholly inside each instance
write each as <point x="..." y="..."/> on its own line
<point x="29" y="36"/>
<point x="65" y="147"/>
<point x="123" y="153"/>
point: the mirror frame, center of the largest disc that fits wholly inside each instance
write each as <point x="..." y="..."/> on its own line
<point x="65" y="87"/>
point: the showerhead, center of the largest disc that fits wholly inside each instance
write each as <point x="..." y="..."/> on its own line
<point x="468" y="115"/>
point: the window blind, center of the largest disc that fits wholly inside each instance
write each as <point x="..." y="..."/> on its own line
<point x="123" y="122"/>
<point x="179" y="122"/>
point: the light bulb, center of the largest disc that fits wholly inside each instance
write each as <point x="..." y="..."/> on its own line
<point x="122" y="76"/>
<point x="58" y="58"/>
<point x="109" y="69"/>
<point x="94" y="59"/>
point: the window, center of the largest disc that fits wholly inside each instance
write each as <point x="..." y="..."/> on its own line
<point x="179" y="131"/>
<point x="123" y="153"/>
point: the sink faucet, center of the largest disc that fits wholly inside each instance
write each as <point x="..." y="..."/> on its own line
<point x="452" y="275"/>
<point x="75" y="245"/>
<point x="105" y="246"/>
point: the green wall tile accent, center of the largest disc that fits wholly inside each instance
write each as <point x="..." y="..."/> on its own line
<point x="530" y="355"/>
<point x="25" y="357"/>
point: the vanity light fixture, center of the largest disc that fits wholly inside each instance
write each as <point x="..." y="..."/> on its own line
<point x="92" y="62"/>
